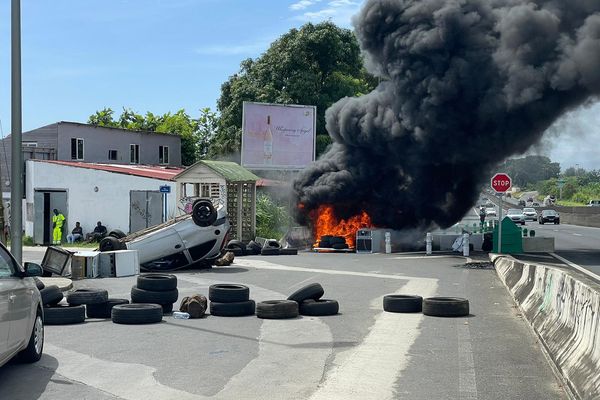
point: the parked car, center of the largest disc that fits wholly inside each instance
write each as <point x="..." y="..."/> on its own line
<point x="522" y="203"/>
<point x="192" y="238"/>
<point x="530" y="214"/>
<point x="490" y="211"/>
<point x="516" y="215"/>
<point x="21" y="311"/>
<point x="549" y="216"/>
<point x="594" y="203"/>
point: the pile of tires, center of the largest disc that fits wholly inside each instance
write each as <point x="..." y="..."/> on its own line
<point x="310" y="301"/>
<point x="59" y="314"/>
<point x="270" y="248"/>
<point x="155" y="288"/>
<point x="431" y="306"/>
<point x="333" y="242"/>
<point x="230" y="300"/>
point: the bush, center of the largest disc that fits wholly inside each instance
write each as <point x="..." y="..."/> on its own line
<point x="27" y="240"/>
<point x="272" y="219"/>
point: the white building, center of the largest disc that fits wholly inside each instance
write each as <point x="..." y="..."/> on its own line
<point x="124" y="197"/>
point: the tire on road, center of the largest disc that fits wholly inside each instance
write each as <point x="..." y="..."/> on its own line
<point x="402" y="303"/>
<point x="87" y="296"/>
<point x="103" y="310"/>
<point x="228" y="293"/>
<point x="277" y="309"/>
<point x="290" y="251"/>
<point x="167" y="308"/>
<point x="111" y="243"/>
<point x="148" y="296"/>
<point x="139" y="313"/>
<point x="117" y="233"/>
<point x="319" y="308"/>
<point x="204" y="213"/>
<point x="51" y="295"/>
<point x="270" y="251"/>
<point x="64" y="315"/>
<point x="253" y="248"/>
<point x="157" y="282"/>
<point x="237" y="309"/>
<point x="446" y="307"/>
<point x="313" y="291"/>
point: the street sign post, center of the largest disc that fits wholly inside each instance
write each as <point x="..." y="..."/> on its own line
<point x="500" y="183"/>
<point x="165" y="189"/>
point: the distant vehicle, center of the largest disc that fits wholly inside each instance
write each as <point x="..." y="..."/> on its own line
<point x="530" y="199"/>
<point x="489" y="205"/>
<point x="522" y="203"/>
<point x="490" y="211"/>
<point x="535" y="204"/>
<point x="594" y="203"/>
<point x="516" y="216"/>
<point x="530" y="214"/>
<point x="549" y="216"/>
<point x="549" y="200"/>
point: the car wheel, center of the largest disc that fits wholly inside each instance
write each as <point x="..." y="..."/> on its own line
<point x="117" y="233"/>
<point x="228" y="293"/>
<point x="541" y="222"/>
<point x="64" y="315"/>
<point x="111" y="243"/>
<point x="147" y="296"/>
<point x="137" y="314"/>
<point x="87" y="296"/>
<point x="313" y="291"/>
<point x="319" y="308"/>
<point x="557" y="223"/>
<point x="35" y="347"/>
<point x="446" y="307"/>
<point x="235" y="309"/>
<point x="277" y="309"/>
<point x="204" y="213"/>
<point x="401" y="303"/>
<point x="157" y="282"/>
<point x="103" y="310"/>
<point x="51" y="295"/>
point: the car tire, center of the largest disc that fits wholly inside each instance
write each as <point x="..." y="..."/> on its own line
<point x="148" y="296"/>
<point x="270" y="251"/>
<point x="103" y="310"/>
<point x="87" y="296"/>
<point x="39" y="284"/>
<point x="446" y="307"/>
<point x="236" y="244"/>
<point x="157" y="282"/>
<point x="117" y="233"/>
<point x="236" y="309"/>
<point x="51" y="295"/>
<point x="277" y="309"/>
<point x="541" y="223"/>
<point x="135" y="314"/>
<point x="401" y="303"/>
<point x="111" y="243"/>
<point x="253" y="248"/>
<point x="64" y="315"/>
<point x="557" y="223"/>
<point x="313" y="291"/>
<point x="35" y="347"/>
<point x="228" y="293"/>
<point x="204" y="213"/>
<point x="290" y="251"/>
<point x="319" y="308"/>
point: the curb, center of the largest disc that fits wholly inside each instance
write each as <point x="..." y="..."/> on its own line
<point x="564" y="312"/>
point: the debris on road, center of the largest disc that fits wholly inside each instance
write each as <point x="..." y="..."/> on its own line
<point x="402" y="303"/>
<point x="195" y="305"/>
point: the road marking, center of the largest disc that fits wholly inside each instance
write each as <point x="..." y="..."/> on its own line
<point x="370" y="370"/>
<point x="301" y="282"/>
<point x="577" y="267"/>
<point x="467" y="384"/>
<point x="423" y="257"/>
<point x="258" y="264"/>
<point x="577" y="234"/>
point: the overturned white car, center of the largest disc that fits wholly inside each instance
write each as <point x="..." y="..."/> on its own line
<point x="198" y="237"/>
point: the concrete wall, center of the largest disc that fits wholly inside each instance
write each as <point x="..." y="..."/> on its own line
<point x="564" y="310"/>
<point x="582" y="216"/>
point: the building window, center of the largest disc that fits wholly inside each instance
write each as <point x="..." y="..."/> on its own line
<point x="76" y="149"/>
<point x="135" y="153"/>
<point x="112" y="155"/>
<point x="163" y="154"/>
<point x="29" y="144"/>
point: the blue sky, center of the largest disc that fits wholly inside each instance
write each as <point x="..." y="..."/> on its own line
<point x="164" y="55"/>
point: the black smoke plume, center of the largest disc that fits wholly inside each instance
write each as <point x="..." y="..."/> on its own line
<point x="464" y="85"/>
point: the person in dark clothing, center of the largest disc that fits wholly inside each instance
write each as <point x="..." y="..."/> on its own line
<point x="98" y="233"/>
<point x="76" y="234"/>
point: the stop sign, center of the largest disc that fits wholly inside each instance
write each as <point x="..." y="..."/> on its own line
<point x="501" y="182"/>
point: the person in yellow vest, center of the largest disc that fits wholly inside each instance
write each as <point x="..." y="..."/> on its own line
<point x="57" y="223"/>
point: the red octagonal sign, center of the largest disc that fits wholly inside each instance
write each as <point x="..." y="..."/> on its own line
<point x="501" y="182"/>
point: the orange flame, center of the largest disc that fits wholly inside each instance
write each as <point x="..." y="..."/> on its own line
<point x="326" y="223"/>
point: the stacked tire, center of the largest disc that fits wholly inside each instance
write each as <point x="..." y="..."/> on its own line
<point x="230" y="300"/>
<point x="158" y="289"/>
<point x="74" y="311"/>
<point x="310" y="301"/>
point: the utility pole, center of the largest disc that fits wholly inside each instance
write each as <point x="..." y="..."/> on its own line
<point x="16" y="187"/>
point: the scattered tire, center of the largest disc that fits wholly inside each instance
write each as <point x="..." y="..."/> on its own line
<point x="237" y="251"/>
<point x="137" y="313"/>
<point x="111" y="243"/>
<point x="87" y="296"/>
<point x="117" y="233"/>
<point x="272" y="244"/>
<point x="39" y="284"/>
<point x="270" y="251"/>
<point x="446" y="307"/>
<point x="319" y="308"/>
<point x="402" y="303"/>
<point x="167" y="308"/>
<point x="277" y="309"/>
<point x="237" y="309"/>
<point x="313" y="291"/>
<point x="228" y="293"/>
<point x="237" y="247"/>
<point x="103" y="310"/>
<point x="51" y="295"/>
<point x="204" y="213"/>
<point x="64" y="315"/>
<point x="157" y="282"/>
<point x="253" y="248"/>
<point x="148" y="296"/>
<point x="290" y="251"/>
<point x="35" y="347"/>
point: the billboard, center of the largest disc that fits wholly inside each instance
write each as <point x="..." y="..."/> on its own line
<point x="277" y="136"/>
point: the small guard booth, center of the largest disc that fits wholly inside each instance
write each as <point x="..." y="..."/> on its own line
<point x="225" y="183"/>
<point x="512" y="238"/>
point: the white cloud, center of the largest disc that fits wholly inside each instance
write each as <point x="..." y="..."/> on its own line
<point x="302" y="4"/>
<point x="338" y="11"/>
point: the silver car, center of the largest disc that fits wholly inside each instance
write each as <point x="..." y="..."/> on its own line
<point x="21" y="311"/>
<point x="530" y="214"/>
<point x="516" y="216"/>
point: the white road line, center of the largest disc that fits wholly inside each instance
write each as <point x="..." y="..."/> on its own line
<point x="577" y="267"/>
<point x="577" y="234"/>
<point x="467" y="384"/>
<point x="424" y="257"/>
<point x="302" y="282"/>
<point x="370" y="370"/>
<point x="258" y="264"/>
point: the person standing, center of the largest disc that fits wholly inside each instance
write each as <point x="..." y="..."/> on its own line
<point x="76" y="234"/>
<point x="57" y="223"/>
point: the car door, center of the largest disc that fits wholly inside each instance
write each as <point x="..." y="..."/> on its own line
<point x="6" y="290"/>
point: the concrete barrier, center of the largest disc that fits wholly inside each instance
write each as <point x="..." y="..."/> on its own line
<point x="564" y="311"/>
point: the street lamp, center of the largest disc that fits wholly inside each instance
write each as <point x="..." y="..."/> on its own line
<point x="16" y="188"/>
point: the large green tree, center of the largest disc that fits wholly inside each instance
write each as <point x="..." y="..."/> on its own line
<point x="314" y="65"/>
<point x="530" y="169"/>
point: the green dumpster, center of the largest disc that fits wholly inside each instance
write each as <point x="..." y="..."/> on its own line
<point x="512" y="239"/>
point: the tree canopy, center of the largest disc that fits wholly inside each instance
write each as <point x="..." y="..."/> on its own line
<point x="530" y="169"/>
<point x="314" y="65"/>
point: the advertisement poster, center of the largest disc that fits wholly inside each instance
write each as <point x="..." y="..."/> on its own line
<point x="276" y="136"/>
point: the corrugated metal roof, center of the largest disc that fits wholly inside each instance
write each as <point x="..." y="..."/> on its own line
<point x="145" y="171"/>
<point x="230" y="171"/>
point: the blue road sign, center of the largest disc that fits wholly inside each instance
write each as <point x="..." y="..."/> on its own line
<point x="165" y="189"/>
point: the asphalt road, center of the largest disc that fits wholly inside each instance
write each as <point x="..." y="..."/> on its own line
<point x="362" y="353"/>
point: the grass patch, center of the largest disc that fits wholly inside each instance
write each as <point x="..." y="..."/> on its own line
<point x="569" y="203"/>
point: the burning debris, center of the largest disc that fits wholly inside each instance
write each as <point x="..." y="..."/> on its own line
<point x="327" y="224"/>
<point x="464" y="85"/>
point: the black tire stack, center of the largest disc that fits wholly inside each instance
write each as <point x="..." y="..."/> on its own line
<point x="158" y="289"/>
<point x="230" y="300"/>
<point x="270" y="248"/>
<point x="310" y="301"/>
<point x="432" y="306"/>
<point x="333" y="242"/>
<point x="59" y="314"/>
